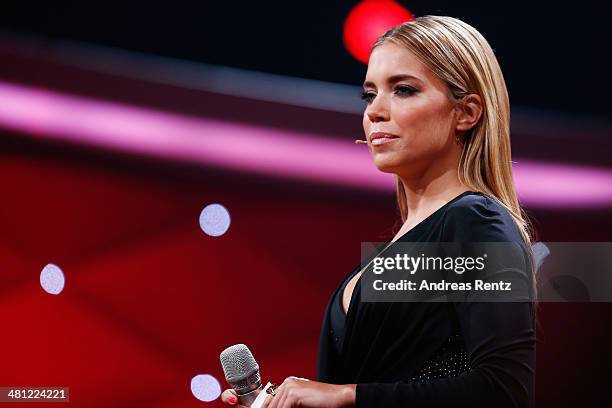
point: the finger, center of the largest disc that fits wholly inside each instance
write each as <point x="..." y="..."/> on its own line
<point x="229" y="397"/>
<point x="267" y="402"/>
<point x="282" y="398"/>
<point x="299" y="378"/>
<point x="274" y="399"/>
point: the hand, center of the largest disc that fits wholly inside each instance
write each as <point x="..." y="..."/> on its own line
<point x="296" y="392"/>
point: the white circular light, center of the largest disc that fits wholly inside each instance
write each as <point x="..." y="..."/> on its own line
<point x="205" y="387"/>
<point x="52" y="279"/>
<point x="214" y="220"/>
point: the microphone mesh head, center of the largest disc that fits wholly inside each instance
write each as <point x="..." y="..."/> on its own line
<point x="240" y="368"/>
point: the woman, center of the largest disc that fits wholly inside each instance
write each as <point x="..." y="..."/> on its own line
<point x="437" y="116"/>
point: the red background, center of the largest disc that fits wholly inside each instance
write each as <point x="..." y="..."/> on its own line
<point x="150" y="300"/>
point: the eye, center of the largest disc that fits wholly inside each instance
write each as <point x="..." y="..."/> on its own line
<point x="367" y="96"/>
<point x="405" y="90"/>
<point x="402" y="90"/>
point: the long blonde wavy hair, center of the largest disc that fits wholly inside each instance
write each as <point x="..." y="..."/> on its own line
<point x="461" y="57"/>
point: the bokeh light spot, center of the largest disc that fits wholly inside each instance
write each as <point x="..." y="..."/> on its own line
<point x="369" y="20"/>
<point x="52" y="279"/>
<point x="214" y="220"/>
<point x="205" y="387"/>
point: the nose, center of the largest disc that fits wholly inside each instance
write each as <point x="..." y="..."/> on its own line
<point x="377" y="110"/>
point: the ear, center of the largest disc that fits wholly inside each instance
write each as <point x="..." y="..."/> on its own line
<point x="469" y="110"/>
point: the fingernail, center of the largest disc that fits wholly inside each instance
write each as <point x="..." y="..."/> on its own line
<point x="232" y="399"/>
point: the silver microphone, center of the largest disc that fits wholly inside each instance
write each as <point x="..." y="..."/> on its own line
<point x="241" y="372"/>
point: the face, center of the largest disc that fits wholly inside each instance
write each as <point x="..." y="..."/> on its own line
<point x="405" y="99"/>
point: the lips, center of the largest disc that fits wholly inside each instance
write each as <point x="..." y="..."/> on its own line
<point x="379" y="138"/>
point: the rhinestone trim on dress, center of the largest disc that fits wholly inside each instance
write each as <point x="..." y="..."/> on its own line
<point x="451" y="360"/>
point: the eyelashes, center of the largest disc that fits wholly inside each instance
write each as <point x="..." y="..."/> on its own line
<point x="367" y="96"/>
<point x="402" y="91"/>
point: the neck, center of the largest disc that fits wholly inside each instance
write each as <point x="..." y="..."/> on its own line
<point x="428" y="190"/>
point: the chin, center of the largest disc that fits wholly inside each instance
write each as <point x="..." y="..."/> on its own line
<point x="385" y="166"/>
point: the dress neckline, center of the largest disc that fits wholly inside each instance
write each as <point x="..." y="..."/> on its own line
<point x="424" y="220"/>
<point x="389" y="244"/>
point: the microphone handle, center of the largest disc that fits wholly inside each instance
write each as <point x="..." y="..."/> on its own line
<point x="248" y="398"/>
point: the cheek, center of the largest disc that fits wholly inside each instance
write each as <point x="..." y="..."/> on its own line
<point x="424" y="125"/>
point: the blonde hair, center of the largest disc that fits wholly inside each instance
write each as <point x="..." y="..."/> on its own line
<point x="461" y="57"/>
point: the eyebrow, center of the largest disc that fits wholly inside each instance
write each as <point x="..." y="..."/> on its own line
<point x="391" y="80"/>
